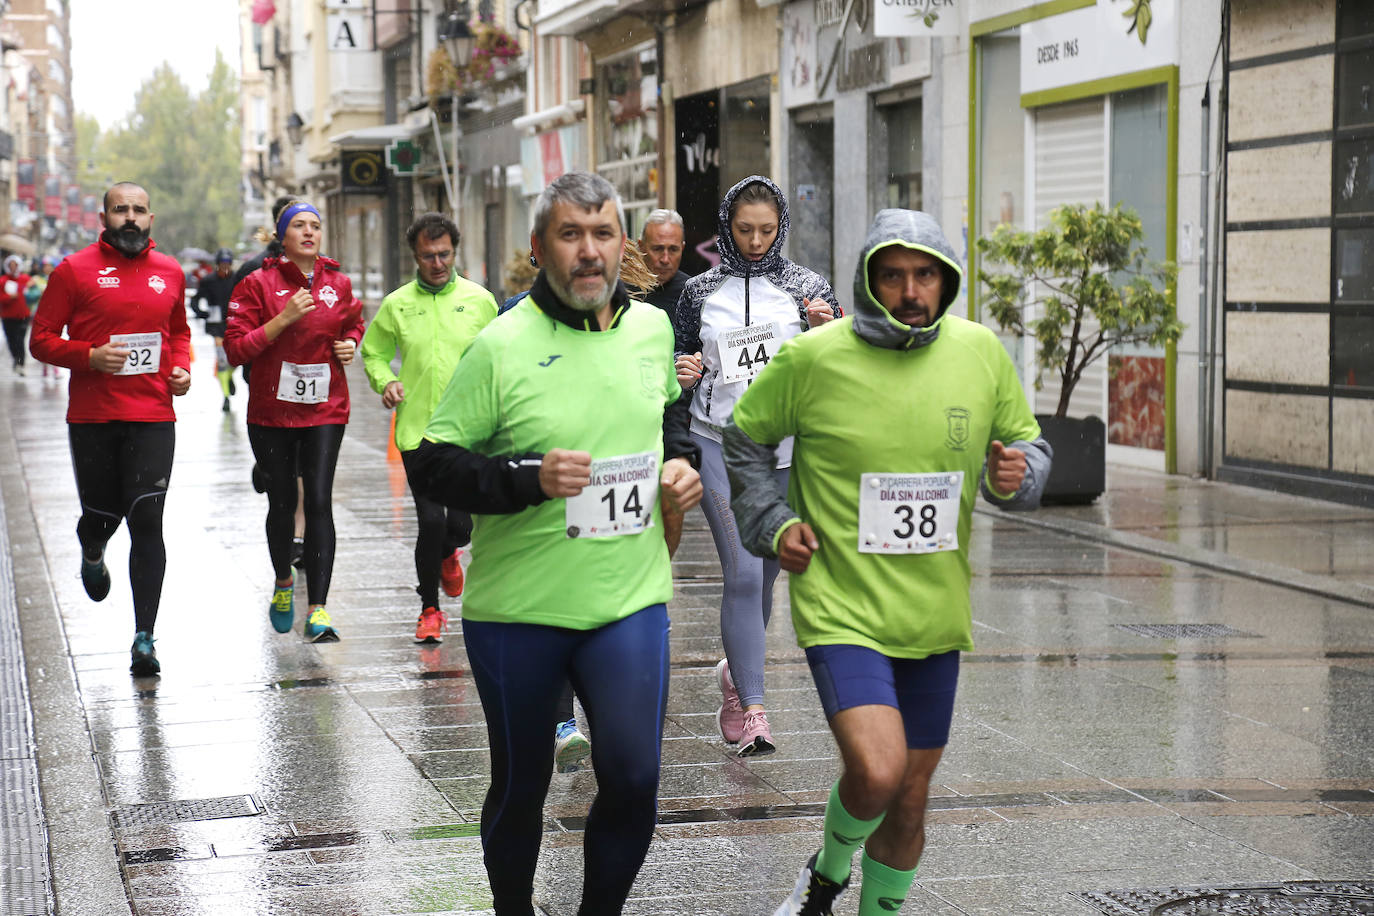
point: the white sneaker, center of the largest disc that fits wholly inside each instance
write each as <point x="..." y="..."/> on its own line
<point x="812" y="895"/>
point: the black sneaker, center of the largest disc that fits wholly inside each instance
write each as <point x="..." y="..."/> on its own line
<point x="96" y="577"/>
<point x="143" y="657"/>
<point x="813" y="895"/>
<point x="226" y="407"/>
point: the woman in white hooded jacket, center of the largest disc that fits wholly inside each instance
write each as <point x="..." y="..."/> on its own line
<point x="729" y="322"/>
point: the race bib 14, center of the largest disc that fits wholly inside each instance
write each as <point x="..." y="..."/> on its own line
<point x="620" y="499"/>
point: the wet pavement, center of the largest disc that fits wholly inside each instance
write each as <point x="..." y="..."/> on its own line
<point x="1172" y="689"/>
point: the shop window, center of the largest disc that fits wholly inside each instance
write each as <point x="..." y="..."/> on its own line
<point x="1355" y="266"/>
<point x="1352" y="351"/>
<point x="744" y="141"/>
<point x="627" y="156"/>
<point x="1355" y="95"/>
<point x="1001" y="133"/>
<point x="1356" y="19"/>
<point x="903" y="154"/>
<point x="1139" y="160"/>
<point x="1354" y="191"/>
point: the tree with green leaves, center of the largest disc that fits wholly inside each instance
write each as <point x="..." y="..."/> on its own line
<point x="1080" y="286"/>
<point x="184" y="149"/>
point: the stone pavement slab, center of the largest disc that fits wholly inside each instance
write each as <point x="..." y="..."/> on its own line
<point x="1099" y="743"/>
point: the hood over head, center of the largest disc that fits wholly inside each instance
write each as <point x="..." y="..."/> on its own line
<point x="730" y="254"/>
<point x="910" y="229"/>
<point x="14" y="262"/>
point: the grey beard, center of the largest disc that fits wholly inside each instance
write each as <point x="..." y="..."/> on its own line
<point x="128" y="244"/>
<point x="579" y="304"/>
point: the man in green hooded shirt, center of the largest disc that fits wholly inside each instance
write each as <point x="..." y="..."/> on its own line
<point x="902" y="413"/>
<point x="432" y="320"/>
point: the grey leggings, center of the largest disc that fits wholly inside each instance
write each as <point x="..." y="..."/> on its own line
<point x="747" y="600"/>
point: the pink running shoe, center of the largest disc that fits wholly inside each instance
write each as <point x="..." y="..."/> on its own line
<point x="730" y="716"/>
<point x="756" y="740"/>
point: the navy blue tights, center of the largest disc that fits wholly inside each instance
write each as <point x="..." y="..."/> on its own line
<point x="620" y="673"/>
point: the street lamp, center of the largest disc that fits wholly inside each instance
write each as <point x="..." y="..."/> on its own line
<point x="453" y="31"/>
<point x="294" y="125"/>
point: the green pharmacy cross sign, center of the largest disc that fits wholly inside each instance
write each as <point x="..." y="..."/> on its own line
<point x="403" y="156"/>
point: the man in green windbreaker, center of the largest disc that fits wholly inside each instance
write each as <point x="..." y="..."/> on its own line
<point x="431" y="320"/>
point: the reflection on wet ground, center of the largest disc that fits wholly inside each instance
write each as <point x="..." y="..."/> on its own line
<point x="1101" y="740"/>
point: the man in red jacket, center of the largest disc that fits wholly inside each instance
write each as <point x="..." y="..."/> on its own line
<point x="122" y="305"/>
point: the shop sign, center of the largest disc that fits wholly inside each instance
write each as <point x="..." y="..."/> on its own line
<point x="905" y="18"/>
<point x="363" y="172"/>
<point x="347" y="30"/>
<point x="1097" y="42"/>
<point x="551" y="153"/>
<point x="863" y="67"/>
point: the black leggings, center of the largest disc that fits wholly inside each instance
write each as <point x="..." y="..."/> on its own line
<point x="15" y="331"/>
<point x="312" y="452"/>
<point x="122" y="470"/>
<point x="441" y="531"/>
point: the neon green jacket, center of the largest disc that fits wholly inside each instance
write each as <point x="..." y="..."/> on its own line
<point x="432" y="331"/>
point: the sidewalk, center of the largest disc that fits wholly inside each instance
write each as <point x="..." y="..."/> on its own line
<point x="1103" y="743"/>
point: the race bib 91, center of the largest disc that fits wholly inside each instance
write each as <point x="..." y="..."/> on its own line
<point x="745" y="351"/>
<point x="304" y="383"/>
<point x="619" y="500"/>
<point x="145" y="352"/>
<point x="909" y="513"/>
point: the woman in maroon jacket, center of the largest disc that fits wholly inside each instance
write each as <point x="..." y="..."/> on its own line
<point x="298" y="323"/>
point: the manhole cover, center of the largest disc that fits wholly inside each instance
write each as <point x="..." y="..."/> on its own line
<point x="192" y="809"/>
<point x="1293" y="898"/>
<point x="1183" y="630"/>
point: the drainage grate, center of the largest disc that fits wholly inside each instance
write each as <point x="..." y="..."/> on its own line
<point x="1183" y="630"/>
<point x="193" y="809"/>
<point x="1292" y="898"/>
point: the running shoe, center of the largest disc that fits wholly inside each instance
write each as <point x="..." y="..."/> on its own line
<point x="432" y="622"/>
<point x="451" y="573"/>
<point x="570" y="747"/>
<point x="226" y="406"/>
<point x="730" y="716"/>
<point x="298" y="553"/>
<point x="813" y="895"/>
<point x="319" y="628"/>
<point x="282" y="610"/>
<point x="755" y="738"/>
<point x="96" y="577"/>
<point x="143" y="657"/>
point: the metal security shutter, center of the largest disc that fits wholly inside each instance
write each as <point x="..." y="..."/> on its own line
<point x="1070" y="167"/>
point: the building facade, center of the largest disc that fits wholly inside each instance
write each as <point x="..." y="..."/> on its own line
<point x="1298" y="325"/>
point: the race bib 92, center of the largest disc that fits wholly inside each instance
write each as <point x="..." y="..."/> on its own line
<point x="145" y="352"/>
<point x="620" y="499"/>
<point x="909" y="513"/>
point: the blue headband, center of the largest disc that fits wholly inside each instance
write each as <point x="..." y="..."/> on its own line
<point x="291" y="212"/>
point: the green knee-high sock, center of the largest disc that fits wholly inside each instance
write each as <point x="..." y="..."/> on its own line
<point x="843" y="834"/>
<point x="884" y="888"/>
<point x="224" y="375"/>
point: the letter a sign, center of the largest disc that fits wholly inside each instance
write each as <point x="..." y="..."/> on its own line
<point x="346" y="26"/>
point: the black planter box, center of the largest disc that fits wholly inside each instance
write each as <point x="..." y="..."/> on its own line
<point x="1078" y="474"/>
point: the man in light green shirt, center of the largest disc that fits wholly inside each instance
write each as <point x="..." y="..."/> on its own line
<point x="560" y="428"/>
<point x="431" y="320"/>
<point x="900" y="412"/>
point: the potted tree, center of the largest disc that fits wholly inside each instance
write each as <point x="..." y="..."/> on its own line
<point x="1079" y="287"/>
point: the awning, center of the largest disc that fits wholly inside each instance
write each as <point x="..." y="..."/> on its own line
<point x="17" y="243"/>
<point x="376" y="137"/>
